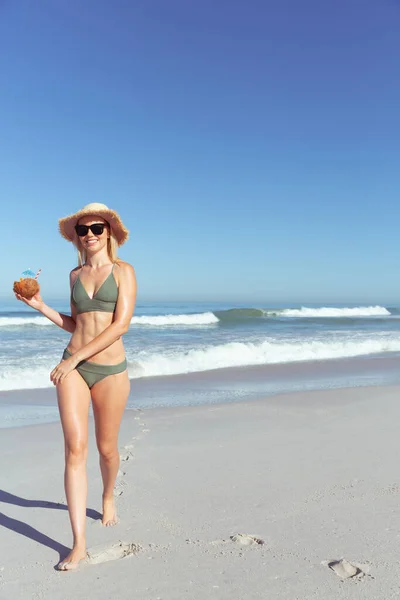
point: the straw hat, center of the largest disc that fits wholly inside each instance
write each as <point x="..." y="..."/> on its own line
<point x="67" y="224"/>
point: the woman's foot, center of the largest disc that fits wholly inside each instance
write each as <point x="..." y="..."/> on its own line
<point x="71" y="562"/>
<point x="109" y="513"/>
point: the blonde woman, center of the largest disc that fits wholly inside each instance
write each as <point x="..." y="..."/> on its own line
<point x="93" y="366"/>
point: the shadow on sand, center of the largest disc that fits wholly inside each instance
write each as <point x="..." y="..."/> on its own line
<point x="30" y="532"/>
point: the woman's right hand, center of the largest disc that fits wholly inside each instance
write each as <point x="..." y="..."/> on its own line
<point x="35" y="302"/>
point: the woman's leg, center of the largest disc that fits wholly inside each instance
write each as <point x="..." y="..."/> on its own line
<point x="109" y="397"/>
<point x="73" y="402"/>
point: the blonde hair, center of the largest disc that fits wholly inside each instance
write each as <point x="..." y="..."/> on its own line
<point x="112" y="248"/>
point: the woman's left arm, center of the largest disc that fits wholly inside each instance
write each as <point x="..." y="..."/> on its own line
<point x="120" y="325"/>
<point x="122" y="316"/>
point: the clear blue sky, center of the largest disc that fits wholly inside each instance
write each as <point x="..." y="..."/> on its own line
<point x="251" y="147"/>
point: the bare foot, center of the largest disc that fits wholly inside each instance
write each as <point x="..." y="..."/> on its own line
<point x="71" y="562"/>
<point x="109" y="513"/>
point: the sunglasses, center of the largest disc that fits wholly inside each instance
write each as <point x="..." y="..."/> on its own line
<point x="96" y="229"/>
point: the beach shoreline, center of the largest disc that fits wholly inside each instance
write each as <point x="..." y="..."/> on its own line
<point x="34" y="406"/>
<point x="314" y="475"/>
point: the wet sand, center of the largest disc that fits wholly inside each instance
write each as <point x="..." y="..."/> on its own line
<point x="33" y="406"/>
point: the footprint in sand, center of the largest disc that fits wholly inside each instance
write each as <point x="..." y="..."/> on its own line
<point x="345" y="569"/>
<point x="105" y="552"/>
<point x="126" y="455"/>
<point x="119" y="488"/>
<point x="246" y="540"/>
<point x="118" y="491"/>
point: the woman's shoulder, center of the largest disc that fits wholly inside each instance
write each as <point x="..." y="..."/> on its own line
<point x="123" y="266"/>
<point x="124" y="270"/>
<point x="74" y="274"/>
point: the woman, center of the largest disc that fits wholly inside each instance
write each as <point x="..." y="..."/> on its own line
<point x="103" y="294"/>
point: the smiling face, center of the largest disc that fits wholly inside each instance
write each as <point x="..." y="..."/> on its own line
<point x="92" y="243"/>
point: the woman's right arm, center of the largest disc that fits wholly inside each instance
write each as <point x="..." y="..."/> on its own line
<point x="66" y="322"/>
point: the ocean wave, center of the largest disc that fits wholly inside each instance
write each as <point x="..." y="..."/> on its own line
<point x="23" y="378"/>
<point x="326" y="311"/>
<point x="232" y="314"/>
<point x="207" y="318"/>
<point x="22" y="321"/>
<point x="229" y="315"/>
<point x="232" y="354"/>
<point x="241" y="354"/>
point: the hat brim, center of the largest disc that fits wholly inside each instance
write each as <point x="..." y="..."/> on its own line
<point x="67" y="224"/>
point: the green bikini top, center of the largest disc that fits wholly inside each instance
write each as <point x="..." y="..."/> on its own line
<point x="104" y="299"/>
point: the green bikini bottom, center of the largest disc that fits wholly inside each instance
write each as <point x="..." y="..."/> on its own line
<point x="94" y="372"/>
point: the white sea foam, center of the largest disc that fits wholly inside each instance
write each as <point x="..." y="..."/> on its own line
<point x="238" y="354"/>
<point x="358" y="311"/>
<point x="207" y="318"/>
<point x="232" y="354"/>
<point x="17" y="321"/>
<point x="23" y="378"/>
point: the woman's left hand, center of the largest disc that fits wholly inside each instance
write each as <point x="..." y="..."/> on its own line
<point x="60" y="372"/>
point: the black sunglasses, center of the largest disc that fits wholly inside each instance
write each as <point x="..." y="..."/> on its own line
<point x="96" y="229"/>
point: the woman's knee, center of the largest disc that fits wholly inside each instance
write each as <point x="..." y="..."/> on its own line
<point x="108" y="452"/>
<point x="76" y="452"/>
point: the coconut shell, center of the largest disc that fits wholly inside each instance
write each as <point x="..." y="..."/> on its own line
<point x="26" y="287"/>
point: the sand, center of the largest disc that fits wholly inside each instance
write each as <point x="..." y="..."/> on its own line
<point x="293" y="496"/>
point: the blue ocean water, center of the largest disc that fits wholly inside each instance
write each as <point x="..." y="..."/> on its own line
<point x="175" y="338"/>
